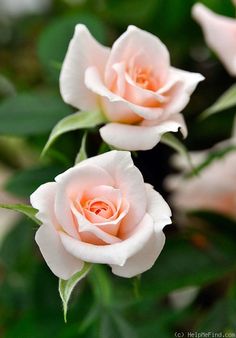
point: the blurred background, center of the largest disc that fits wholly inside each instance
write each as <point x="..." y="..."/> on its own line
<point x="192" y="285"/>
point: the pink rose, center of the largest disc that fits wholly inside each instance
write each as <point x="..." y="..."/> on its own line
<point x="220" y="35"/>
<point x="132" y="83"/>
<point x="213" y="189"/>
<point x="100" y="211"/>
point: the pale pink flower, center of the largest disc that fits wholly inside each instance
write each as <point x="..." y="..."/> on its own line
<point x="133" y="84"/>
<point x="100" y="211"/>
<point x="220" y="35"/>
<point x="213" y="189"/>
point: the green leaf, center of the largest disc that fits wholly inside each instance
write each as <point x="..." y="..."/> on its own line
<point x="80" y="120"/>
<point x="66" y="286"/>
<point x="6" y="87"/>
<point x="24" y="182"/>
<point x="226" y="101"/>
<point x="82" y="155"/>
<point x="101" y="285"/>
<point x="90" y="318"/>
<point x="113" y="324"/>
<point x="24" y="209"/>
<point x="174" y="268"/>
<point x="31" y="114"/>
<point x="123" y="327"/>
<point x="221" y="318"/>
<point x="54" y="40"/>
<point x="215" y="220"/>
<point x="170" y="140"/>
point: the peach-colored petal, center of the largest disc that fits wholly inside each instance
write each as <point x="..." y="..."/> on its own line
<point x="142" y="96"/>
<point x="182" y="85"/>
<point x="220" y="34"/>
<point x="153" y="51"/>
<point x="128" y="179"/>
<point x="117" y="253"/>
<point x="172" y="123"/>
<point x="83" y="51"/>
<point x="125" y="86"/>
<point x="117" y="202"/>
<point x="106" y="192"/>
<point x="110" y="227"/>
<point x="62" y="263"/>
<point x="119" y="111"/>
<point x="144" y="259"/>
<point x="128" y="137"/>
<point x="72" y="183"/>
<point x="119" y="85"/>
<point x="85" y="226"/>
<point x="94" y="83"/>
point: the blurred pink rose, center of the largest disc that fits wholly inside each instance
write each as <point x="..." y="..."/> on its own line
<point x="132" y="83"/>
<point x="220" y="35"/>
<point x="213" y="189"/>
<point x="100" y="211"/>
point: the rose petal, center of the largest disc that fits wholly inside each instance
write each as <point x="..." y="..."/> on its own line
<point x="94" y="83"/>
<point x="83" y="51"/>
<point x="129" y="180"/>
<point x="179" y="94"/>
<point x="128" y="137"/>
<point x="125" y="47"/>
<point x="117" y="253"/>
<point x="62" y="263"/>
<point x="125" y="87"/>
<point x="143" y="260"/>
<point x="168" y="124"/>
<point x="85" y="226"/>
<point x="119" y="85"/>
<point x="157" y="208"/>
<point x="110" y="227"/>
<point x="119" y="112"/>
<point x="43" y="200"/>
<point x="109" y="193"/>
<point x="132" y="138"/>
<point x="141" y="96"/>
<point x="219" y="32"/>
<point x="71" y="184"/>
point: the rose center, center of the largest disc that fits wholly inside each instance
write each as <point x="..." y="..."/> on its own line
<point x="100" y="208"/>
<point x="143" y="77"/>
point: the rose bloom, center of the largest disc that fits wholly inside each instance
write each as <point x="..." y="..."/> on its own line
<point x="213" y="189"/>
<point x="220" y="35"/>
<point x="132" y="83"/>
<point x="100" y="211"/>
